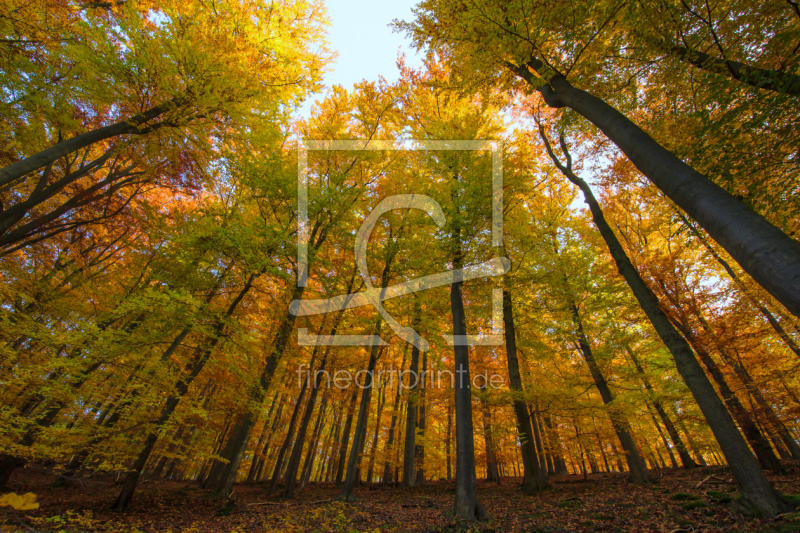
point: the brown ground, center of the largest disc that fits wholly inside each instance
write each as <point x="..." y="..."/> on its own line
<point x="603" y="503"/>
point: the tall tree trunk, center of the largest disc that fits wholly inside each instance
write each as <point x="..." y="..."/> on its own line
<point x="346" y="437"/>
<point x="312" y="449"/>
<point x="560" y="464"/>
<point x="752" y="481"/>
<point x="287" y="441"/>
<point x="290" y="478"/>
<point x="466" y="505"/>
<point x="361" y="423"/>
<point x="420" y="446"/>
<point x="387" y="470"/>
<point x="181" y="388"/>
<point x="412" y="409"/>
<point x="448" y="456"/>
<point x="683" y="453"/>
<point x="766" y="253"/>
<point x="374" y="448"/>
<point x="621" y="426"/>
<point x="534" y="472"/>
<point x="757" y="441"/>
<point x="258" y="460"/>
<point x="492" y="473"/>
<point x="663" y="437"/>
<point x="256" y="396"/>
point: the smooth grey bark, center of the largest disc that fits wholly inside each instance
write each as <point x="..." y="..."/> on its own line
<point x="466" y="505"/>
<point x="766" y="253"/>
<point x="533" y="472"/>
<point x="754" y="485"/>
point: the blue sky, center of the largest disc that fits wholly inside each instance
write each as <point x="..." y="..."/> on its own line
<point x="367" y="47"/>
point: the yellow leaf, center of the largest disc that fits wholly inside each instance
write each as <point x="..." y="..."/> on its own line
<point x="26" y="502"/>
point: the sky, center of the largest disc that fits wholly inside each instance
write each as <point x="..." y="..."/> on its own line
<point x="367" y="46"/>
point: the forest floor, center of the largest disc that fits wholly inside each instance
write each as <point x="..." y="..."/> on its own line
<point x="604" y="502"/>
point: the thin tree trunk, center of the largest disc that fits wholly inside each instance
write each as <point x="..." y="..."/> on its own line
<point x="181" y="388"/>
<point x="420" y="446"/>
<point x="492" y="473"/>
<point x="387" y="470"/>
<point x="750" y="478"/>
<point x="636" y="466"/>
<point x="290" y="478"/>
<point x="287" y="441"/>
<point x="346" y="437"/>
<point x="534" y="473"/>
<point x="412" y="409"/>
<point x="361" y="423"/>
<point x="683" y="453"/>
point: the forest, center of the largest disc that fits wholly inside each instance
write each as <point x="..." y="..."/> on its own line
<point x="547" y="282"/>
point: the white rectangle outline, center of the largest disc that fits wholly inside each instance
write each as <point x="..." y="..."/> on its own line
<point x="496" y="147"/>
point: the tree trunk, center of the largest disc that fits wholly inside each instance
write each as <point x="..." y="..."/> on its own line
<point x="771" y="257"/>
<point x="466" y="506"/>
<point x="312" y="449"/>
<point x="181" y="388"/>
<point x="290" y="478"/>
<point x="683" y="453"/>
<point x="287" y="441"/>
<point x="361" y="422"/>
<point x="663" y="437"/>
<point x="412" y="409"/>
<point x="636" y="466"/>
<point x="534" y="474"/>
<point x="387" y="470"/>
<point x="420" y="446"/>
<point x="374" y="448"/>
<point x="346" y="437"/>
<point x="763" y="450"/>
<point x="492" y="473"/>
<point x="448" y="456"/>
<point x="750" y="478"/>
